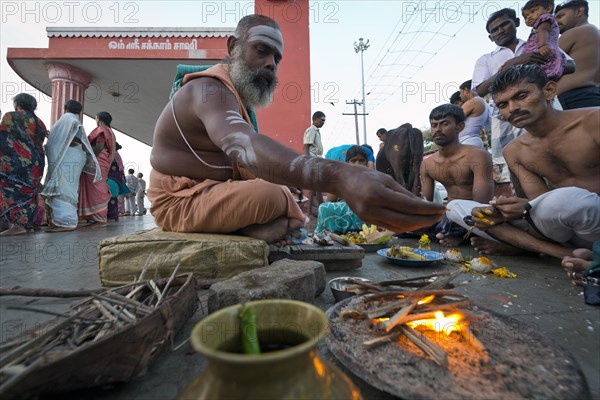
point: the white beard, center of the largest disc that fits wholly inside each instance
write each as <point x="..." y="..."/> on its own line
<point x="255" y="86"/>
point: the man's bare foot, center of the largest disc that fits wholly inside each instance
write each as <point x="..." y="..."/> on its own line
<point x="14" y="230"/>
<point x="577" y="263"/>
<point x="275" y="232"/>
<point x="488" y="247"/>
<point x="449" y="241"/>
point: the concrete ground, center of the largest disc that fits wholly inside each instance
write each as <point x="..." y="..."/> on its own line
<point x="540" y="298"/>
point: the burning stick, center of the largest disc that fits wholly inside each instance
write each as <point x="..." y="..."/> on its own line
<point x="370" y="344"/>
<point x="431" y="349"/>
<point x="397" y="318"/>
<point x="392" y="306"/>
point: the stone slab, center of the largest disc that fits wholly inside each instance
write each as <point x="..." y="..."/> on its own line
<point x="284" y="279"/>
<point x="335" y="257"/>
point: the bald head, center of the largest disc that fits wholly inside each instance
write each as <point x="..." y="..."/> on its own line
<point x="257" y="28"/>
<point x="249" y="21"/>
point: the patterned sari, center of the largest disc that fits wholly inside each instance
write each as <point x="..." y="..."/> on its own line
<point x="94" y="197"/>
<point x="22" y="163"/>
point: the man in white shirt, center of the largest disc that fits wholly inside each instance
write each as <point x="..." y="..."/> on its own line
<point x="140" y="193"/>
<point x="132" y="183"/>
<point x="314" y="147"/>
<point x="502" y="29"/>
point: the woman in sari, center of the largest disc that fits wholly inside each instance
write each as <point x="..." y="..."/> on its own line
<point x="94" y="197"/>
<point x="116" y="184"/>
<point x="22" y="162"/>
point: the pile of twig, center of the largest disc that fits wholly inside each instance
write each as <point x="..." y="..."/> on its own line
<point x="390" y="307"/>
<point x="88" y="321"/>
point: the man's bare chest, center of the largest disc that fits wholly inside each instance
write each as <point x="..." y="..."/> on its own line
<point x="451" y="171"/>
<point x="559" y="162"/>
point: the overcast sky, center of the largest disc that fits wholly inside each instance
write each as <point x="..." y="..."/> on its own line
<point x="419" y="52"/>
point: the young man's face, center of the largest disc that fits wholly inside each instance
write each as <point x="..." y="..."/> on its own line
<point x="503" y="30"/>
<point x="319" y="122"/>
<point x="566" y="19"/>
<point x="358" y="159"/>
<point x="445" y="130"/>
<point x="464" y="95"/>
<point x="524" y="103"/>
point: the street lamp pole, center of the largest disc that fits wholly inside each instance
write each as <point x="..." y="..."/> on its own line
<point x="362" y="46"/>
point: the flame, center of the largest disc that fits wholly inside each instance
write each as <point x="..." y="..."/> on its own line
<point x="427" y="300"/>
<point x="319" y="367"/>
<point x="441" y="323"/>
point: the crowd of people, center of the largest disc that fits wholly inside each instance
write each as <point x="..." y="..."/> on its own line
<point x="212" y="172"/>
<point x="530" y="134"/>
<point x="84" y="179"/>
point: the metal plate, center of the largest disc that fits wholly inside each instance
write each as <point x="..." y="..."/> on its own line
<point x="431" y="257"/>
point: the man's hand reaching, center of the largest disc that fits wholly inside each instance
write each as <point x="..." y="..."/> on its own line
<point x="511" y="208"/>
<point x="378" y="199"/>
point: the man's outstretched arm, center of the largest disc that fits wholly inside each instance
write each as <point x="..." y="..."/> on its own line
<point x="375" y="197"/>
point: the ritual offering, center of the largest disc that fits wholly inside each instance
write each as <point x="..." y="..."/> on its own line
<point x="410" y="257"/>
<point x="453" y="255"/>
<point x="370" y="238"/>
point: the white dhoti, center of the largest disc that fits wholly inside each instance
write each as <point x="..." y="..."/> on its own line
<point x="568" y="215"/>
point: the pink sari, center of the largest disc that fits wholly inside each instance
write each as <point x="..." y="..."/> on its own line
<point x="94" y="197"/>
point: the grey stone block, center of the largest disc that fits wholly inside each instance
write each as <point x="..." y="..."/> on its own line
<point x="284" y="279"/>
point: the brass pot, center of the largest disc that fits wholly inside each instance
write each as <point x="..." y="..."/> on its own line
<point x="293" y="372"/>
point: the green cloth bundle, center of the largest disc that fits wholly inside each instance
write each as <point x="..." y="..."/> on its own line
<point x="183" y="70"/>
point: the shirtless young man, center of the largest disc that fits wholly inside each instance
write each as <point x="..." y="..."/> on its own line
<point x="580" y="40"/>
<point x="203" y="138"/>
<point x="560" y="147"/>
<point x="465" y="171"/>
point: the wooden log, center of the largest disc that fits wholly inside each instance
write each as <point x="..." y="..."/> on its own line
<point x="124" y="301"/>
<point x="339" y="239"/>
<point x="442" y="282"/>
<point x="372" y="343"/>
<point x="161" y="296"/>
<point x="35" y="292"/>
<point x="444" y="307"/>
<point x="104" y="311"/>
<point x="145" y="268"/>
<point x="404" y="311"/>
<point x="22" y="351"/>
<point x="388" y="308"/>
<point x="431" y="349"/>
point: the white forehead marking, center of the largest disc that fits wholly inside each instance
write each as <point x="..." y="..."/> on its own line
<point x="266" y="34"/>
<point x="235" y="118"/>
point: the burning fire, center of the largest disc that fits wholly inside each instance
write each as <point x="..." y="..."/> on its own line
<point x="427" y="300"/>
<point x="441" y="323"/>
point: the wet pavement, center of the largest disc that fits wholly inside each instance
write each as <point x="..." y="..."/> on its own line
<point x="540" y="298"/>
